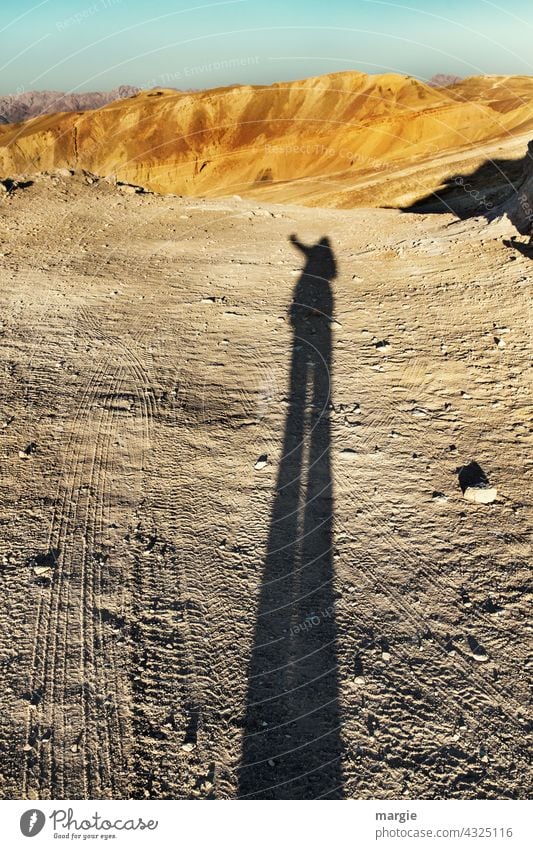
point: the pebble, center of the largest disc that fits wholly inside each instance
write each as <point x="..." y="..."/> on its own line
<point x="348" y="452"/>
<point x="187" y="747"/>
<point x="475" y="484"/>
<point x="28" y="451"/>
<point x="261" y="462"/>
<point x="480" y="495"/>
<point x="481" y="658"/>
<point x="476" y="651"/>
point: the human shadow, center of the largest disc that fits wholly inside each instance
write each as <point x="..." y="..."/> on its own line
<point x="481" y="192"/>
<point x="292" y="745"/>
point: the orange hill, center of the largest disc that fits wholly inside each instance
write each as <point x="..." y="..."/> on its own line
<point x="323" y="140"/>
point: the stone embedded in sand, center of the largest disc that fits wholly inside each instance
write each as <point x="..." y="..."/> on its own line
<point x="42" y="571"/>
<point x="383" y="346"/>
<point x="261" y="462"/>
<point x="187" y="747"/>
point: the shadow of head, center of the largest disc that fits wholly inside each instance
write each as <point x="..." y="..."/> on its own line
<point x="320" y="258"/>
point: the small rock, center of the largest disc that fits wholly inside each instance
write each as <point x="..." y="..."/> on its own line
<point x="187" y="747"/>
<point x="271" y="762"/>
<point x="480" y="495"/>
<point x="383" y="345"/>
<point x="28" y="451"/>
<point x="439" y="497"/>
<point x="475" y="484"/>
<point x="477" y="651"/>
<point x="481" y="658"/>
<point x="348" y="453"/>
<point x="40" y="571"/>
<point x="500" y="343"/>
<point x="261" y="462"/>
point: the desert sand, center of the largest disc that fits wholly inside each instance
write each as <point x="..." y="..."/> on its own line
<point x="235" y="554"/>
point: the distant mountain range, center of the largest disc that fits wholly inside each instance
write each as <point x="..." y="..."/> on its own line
<point x="442" y="80"/>
<point x="29" y="104"/>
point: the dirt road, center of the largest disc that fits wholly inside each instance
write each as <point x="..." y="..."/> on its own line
<point x="147" y="414"/>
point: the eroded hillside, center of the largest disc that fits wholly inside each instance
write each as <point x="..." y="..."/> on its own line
<point x="342" y="140"/>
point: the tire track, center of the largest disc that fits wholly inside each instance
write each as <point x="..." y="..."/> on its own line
<point x="57" y="535"/>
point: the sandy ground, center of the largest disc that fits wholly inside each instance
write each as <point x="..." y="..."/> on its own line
<point x="146" y="348"/>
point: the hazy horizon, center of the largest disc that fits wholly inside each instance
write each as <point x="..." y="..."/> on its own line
<point x="97" y="46"/>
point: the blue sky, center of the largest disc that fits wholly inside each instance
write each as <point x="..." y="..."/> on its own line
<point x="84" y="45"/>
